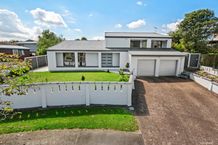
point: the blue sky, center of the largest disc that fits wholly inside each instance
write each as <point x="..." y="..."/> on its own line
<point x="22" y="19"/>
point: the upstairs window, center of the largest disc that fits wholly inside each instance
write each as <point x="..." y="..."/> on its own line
<point x="158" y="44"/>
<point x="135" y="43"/>
<point x="138" y="43"/>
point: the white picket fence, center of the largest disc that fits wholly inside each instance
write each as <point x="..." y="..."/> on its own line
<point x="73" y="93"/>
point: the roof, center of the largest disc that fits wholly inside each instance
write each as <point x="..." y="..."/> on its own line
<point x="136" y="34"/>
<point x="157" y="51"/>
<point x="80" y="45"/>
<point x="26" y="42"/>
<point x="12" y="47"/>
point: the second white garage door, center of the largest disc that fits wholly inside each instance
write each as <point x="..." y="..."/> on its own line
<point x="146" y="67"/>
<point x="167" y="67"/>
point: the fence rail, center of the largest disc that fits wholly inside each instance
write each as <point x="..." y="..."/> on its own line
<point x="73" y="93"/>
<point x="37" y="61"/>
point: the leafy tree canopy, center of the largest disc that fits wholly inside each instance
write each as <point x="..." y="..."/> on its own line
<point x="194" y="31"/>
<point x="46" y="40"/>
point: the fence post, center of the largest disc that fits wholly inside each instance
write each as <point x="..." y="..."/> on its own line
<point x="37" y="64"/>
<point x="87" y="94"/>
<point x="44" y="96"/>
<point x="129" y="95"/>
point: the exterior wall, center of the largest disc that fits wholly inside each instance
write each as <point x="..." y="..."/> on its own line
<point x="92" y="59"/>
<point x="52" y="64"/>
<point x="73" y="93"/>
<point x="32" y="47"/>
<point x="124" y="58"/>
<point x="125" y="42"/>
<point x="134" y="61"/>
<point x="59" y="59"/>
<point x="116" y="59"/>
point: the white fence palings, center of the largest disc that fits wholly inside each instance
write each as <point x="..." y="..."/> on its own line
<point x="73" y="93"/>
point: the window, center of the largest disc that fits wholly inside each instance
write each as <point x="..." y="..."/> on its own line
<point x="138" y="43"/>
<point x="69" y="59"/>
<point x="135" y="43"/>
<point x="158" y="44"/>
<point x="81" y="59"/>
<point x="144" y="44"/>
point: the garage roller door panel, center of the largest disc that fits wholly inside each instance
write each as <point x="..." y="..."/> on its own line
<point x="146" y="67"/>
<point x="167" y="68"/>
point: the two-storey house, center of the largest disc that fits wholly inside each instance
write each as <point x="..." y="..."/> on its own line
<point x="148" y="54"/>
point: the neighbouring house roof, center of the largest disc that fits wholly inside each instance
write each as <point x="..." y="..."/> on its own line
<point x="26" y="42"/>
<point x="136" y="34"/>
<point x="13" y="47"/>
<point x="80" y="45"/>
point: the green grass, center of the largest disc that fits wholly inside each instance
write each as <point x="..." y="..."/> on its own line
<point x="72" y="76"/>
<point x="116" y="118"/>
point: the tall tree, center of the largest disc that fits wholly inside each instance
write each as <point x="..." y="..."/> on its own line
<point x="46" y="40"/>
<point x="195" y="30"/>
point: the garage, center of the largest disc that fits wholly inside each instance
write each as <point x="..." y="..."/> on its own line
<point x="167" y="67"/>
<point x="146" y="68"/>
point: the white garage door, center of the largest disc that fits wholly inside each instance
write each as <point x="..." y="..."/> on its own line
<point x="146" y="68"/>
<point x="167" y="68"/>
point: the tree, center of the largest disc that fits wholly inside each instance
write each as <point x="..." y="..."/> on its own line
<point x="46" y="40"/>
<point x="195" y="30"/>
<point x="12" y="70"/>
<point x="82" y="38"/>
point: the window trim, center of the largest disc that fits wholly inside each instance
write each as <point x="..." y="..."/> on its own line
<point x="140" y="43"/>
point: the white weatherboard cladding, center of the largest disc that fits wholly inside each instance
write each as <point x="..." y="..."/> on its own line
<point x="167" y="67"/>
<point x="91" y="59"/>
<point x="146" y="67"/>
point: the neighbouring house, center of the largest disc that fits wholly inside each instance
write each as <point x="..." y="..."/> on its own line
<point x="214" y="39"/>
<point x="148" y="54"/>
<point x="21" y="51"/>
<point x="31" y="44"/>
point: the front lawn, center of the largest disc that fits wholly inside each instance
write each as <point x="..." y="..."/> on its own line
<point x="73" y="76"/>
<point x="116" y="118"/>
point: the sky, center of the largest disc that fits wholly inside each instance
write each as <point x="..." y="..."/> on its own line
<point x="26" y="19"/>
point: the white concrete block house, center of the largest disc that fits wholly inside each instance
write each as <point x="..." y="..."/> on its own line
<point x="149" y="54"/>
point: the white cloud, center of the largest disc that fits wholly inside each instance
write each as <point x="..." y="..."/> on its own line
<point x="47" y="18"/>
<point x="118" y="26"/>
<point x="171" y="26"/>
<point x="97" y="38"/>
<point x="136" y="24"/>
<point x="11" y="27"/>
<point x="77" y="30"/>
<point x="140" y="3"/>
<point x="91" y="14"/>
<point x="68" y="16"/>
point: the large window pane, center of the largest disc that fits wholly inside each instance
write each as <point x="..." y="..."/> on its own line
<point x="69" y="59"/>
<point x="81" y="59"/>
<point x="135" y="43"/>
<point x="144" y="43"/>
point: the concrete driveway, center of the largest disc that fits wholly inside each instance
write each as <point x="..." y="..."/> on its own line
<point x="173" y="111"/>
<point x="72" y="137"/>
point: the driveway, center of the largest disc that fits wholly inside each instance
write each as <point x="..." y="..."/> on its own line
<point x="72" y="137"/>
<point x="174" y="111"/>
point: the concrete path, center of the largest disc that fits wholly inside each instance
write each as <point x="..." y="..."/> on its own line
<point x="73" y="137"/>
<point x="41" y="69"/>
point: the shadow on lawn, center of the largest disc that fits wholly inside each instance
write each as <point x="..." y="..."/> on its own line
<point x="37" y="113"/>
